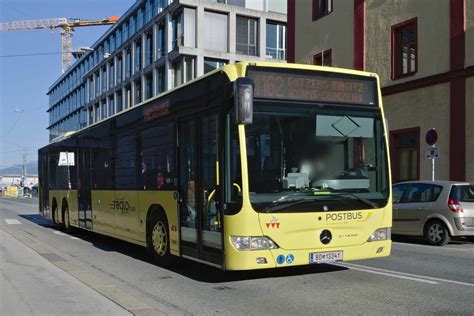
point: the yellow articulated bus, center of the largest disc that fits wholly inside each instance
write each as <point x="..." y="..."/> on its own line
<point x="252" y="166"/>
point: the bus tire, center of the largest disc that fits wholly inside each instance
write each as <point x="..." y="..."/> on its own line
<point x="66" y="220"/>
<point x="54" y="214"/>
<point x="436" y="233"/>
<point x="158" y="239"/>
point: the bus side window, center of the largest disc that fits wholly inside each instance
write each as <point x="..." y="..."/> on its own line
<point x="158" y="157"/>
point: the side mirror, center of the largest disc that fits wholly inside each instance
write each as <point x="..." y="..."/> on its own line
<point x="243" y="96"/>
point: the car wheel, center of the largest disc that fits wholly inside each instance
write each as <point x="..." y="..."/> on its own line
<point x="158" y="238"/>
<point x="436" y="233"/>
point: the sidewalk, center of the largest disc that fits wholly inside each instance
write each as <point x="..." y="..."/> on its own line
<point x="30" y="285"/>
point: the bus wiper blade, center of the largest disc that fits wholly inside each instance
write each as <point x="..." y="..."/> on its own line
<point x="287" y="205"/>
<point x="356" y="197"/>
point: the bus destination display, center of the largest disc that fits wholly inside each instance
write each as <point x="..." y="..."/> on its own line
<point x="306" y="87"/>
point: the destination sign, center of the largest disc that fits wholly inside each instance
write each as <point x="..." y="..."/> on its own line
<point x="313" y="86"/>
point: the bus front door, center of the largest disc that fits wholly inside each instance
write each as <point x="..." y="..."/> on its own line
<point x="200" y="214"/>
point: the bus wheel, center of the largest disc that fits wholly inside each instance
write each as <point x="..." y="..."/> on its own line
<point x="66" y="220"/>
<point x="55" y="216"/>
<point x="436" y="233"/>
<point x="159" y="240"/>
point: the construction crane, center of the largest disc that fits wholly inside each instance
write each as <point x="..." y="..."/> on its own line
<point x="67" y="26"/>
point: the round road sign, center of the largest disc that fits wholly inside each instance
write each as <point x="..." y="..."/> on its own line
<point x="431" y="137"/>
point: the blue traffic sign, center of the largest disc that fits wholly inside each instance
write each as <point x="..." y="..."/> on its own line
<point x="431" y="137"/>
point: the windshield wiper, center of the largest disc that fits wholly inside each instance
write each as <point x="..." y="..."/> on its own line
<point x="287" y="205"/>
<point x="355" y="197"/>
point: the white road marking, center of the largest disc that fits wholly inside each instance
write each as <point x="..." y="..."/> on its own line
<point x="57" y="232"/>
<point x="10" y="221"/>
<point x="417" y="277"/>
<point x="386" y="274"/>
<point x="72" y="237"/>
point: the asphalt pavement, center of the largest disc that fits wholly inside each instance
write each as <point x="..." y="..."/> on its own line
<point x="415" y="279"/>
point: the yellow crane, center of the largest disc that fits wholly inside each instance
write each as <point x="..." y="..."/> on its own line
<point x="66" y="25"/>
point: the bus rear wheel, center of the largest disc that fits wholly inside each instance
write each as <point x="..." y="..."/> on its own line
<point x="158" y="239"/>
<point x="66" y="220"/>
<point x="54" y="215"/>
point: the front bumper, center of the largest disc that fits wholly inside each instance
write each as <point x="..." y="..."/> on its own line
<point x="247" y="260"/>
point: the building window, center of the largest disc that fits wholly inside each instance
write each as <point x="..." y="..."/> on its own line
<point x="404" y="49"/>
<point x="212" y="64"/>
<point x="125" y="32"/>
<point x="119" y="68"/>
<point x="148" y="86"/>
<point x="183" y="70"/>
<point x="97" y="84"/>
<point x="140" y="18"/>
<point x="128" y="63"/>
<point x="90" y="116"/>
<point x="215" y="31"/>
<point x="161" y="41"/>
<point x="128" y="97"/>
<point x="323" y="59"/>
<point x="138" y="56"/>
<point x="149" y="48"/>
<point x="111" y="110"/>
<point x="322" y="8"/>
<point x="276" y="41"/>
<point x="119" y="101"/>
<point x="178" y="30"/>
<point x="111" y="74"/>
<point x="104" y="79"/>
<point x="405" y="151"/>
<point x="161" y="80"/>
<point x="103" y="109"/>
<point x="138" y="92"/>
<point x="97" y="113"/>
<point x="247" y="36"/>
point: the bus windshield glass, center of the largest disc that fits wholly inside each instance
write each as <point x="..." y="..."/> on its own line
<point x="312" y="157"/>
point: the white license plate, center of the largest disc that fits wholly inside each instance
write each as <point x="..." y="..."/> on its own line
<point x="324" y="257"/>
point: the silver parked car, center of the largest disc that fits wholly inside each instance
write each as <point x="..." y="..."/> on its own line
<point x="436" y="210"/>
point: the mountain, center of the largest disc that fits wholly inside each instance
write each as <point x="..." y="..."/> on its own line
<point x="31" y="168"/>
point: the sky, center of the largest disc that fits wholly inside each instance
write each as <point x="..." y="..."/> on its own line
<point x="24" y="80"/>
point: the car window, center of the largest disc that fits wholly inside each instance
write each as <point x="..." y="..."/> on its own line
<point x="462" y="193"/>
<point x="435" y="192"/>
<point x="397" y="192"/>
<point x="418" y="192"/>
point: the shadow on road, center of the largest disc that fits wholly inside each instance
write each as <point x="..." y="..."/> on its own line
<point x="190" y="269"/>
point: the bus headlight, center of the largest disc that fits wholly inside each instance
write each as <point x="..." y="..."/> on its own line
<point x="253" y="243"/>
<point x="381" y="234"/>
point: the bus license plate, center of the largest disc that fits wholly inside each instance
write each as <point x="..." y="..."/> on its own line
<point x="324" y="257"/>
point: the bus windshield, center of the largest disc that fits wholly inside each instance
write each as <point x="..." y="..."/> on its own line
<point x="313" y="157"/>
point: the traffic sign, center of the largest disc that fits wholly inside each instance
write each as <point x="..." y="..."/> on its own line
<point x="432" y="153"/>
<point x="431" y="136"/>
